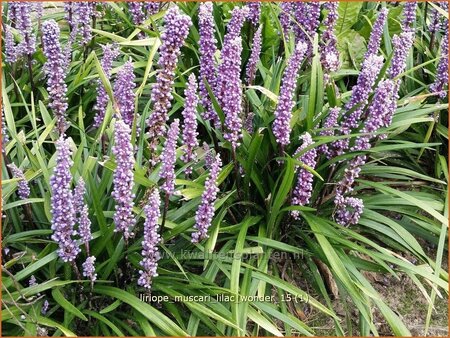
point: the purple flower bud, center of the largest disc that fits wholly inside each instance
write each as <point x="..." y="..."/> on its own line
<point x="110" y="52"/>
<point x="307" y="21"/>
<point x="54" y="69"/>
<point x="302" y="192"/>
<point x="286" y="8"/>
<point x="190" y="133"/>
<point x="349" y="211"/>
<point x="45" y="307"/>
<point x="329" y="55"/>
<point x="85" y="12"/>
<point x="442" y="70"/>
<point x="209" y="157"/>
<point x="10" y="46"/>
<point x="377" y="33"/>
<point x="152" y="7"/>
<point x="89" y="268"/>
<point x="5" y="137"/>
<point x="438" y="21"/>
<point x="409" y="16"/>
<point x="27" y="45"/>
<point x="82" y="211"/>
<point x="231" y="98"/>
<point x="205" y="212"/>
<point x="254" y="12"/>
<point x="32" y="281"/>
<point x="169" y="157"/>
<point x="124" y="94"/>
<point x="137" y="12"/>
<point x="254" y="57"/>
<point x="208" y="48"/>
<point x="71" y="15"/>
<point x="150" y="252"/>
<point x="331" y="123"/>
<point x="23" y="188"/>
<point x="402" y="44"/>
<point x="283" y="112"/>
<point x="176" y="31"/>
<point x="238" y="16"/>
<point x="123" y="179"/>
<point x="63" y="213"/>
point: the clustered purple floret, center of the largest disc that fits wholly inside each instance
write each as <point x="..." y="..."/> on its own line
<point x="169" y="157"/>
<point x="137" y="12"/>
<point x="402" y="44"/>
<point x="190" y="133"/>
<point x="307" y="21"/>
<point x="10" y="47"/>
<point x="254" y="12"/>
<point x="123" y="180"/>
<point x="5" y="137"/>
<point x="110" y="52"/>
<point x="329" y="126"/>
<point x="207" y="48"/>
<point x="205" y="212"/>
<point x="54" y="69"/>
<point x="441" y="80"/>
<point x="85" y="12"/>
<point x="27" y="45"/>
<point x="45" y="307"/>
<point x="254" y="56"/>
<point x="150" y="252"/>
<point x="302" y="191"/>
<point x="124" y="93"/>
<point x="329" y="54"/>
<point x="63" y="214"/>
<point x="283" y="111"/>
<point x="82" y="212"/>
<point x="89" y="268"/>
<point x="23" y="188"/>
<point x="285" y="18"/>
<point x="376" y="34"/>
<point x="409" y="16"/>
<point x="176" y="30"/>
<point x="231" y="100"/>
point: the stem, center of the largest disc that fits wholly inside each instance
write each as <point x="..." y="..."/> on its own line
<point x="236" y="172"/>
<point x="166" y="207"/>
<point x="30" y="70"/>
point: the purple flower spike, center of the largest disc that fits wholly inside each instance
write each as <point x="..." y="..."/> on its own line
<point x="254" y="57"/>
<point x="23" y="188"/>
<point x="10" y="46"/>
<point x="85" y="12"/>
<point x="45" y="307"/>
<point x="307" y="21"/>
<point x="208" y="48"/>
<point x="401" y="44"/>
<point x="27" y="45"/>
<point x="231" y="99"/>
<point x="205" y="212"/>
<point x="137" y="12"/>
<point x="152" y="7"/>
<point x="175" y="33"/>
<point x="54" y="69"/>
<point x="330" y="124"/>
<point x="349" y="211"/>
<point x="123" y="179"/>
<point x="254" y="12"/>
<point x="110" y="52"/>
<point x="442" y="70"/>
<point x="63" y="214"/>
<point x="329" y="54"/>
<point x="150" y="252"/>
<point x="377" y="33"/>
<point x="302" y="192"/>
<point x="124" y="94"/>
<point x="409" y="16"/>
<point x="89" y="268"/>
<point x="283" y="112"/>
<point x="82" y="211"/>
<point x="285" y="18"/>
<point x="190" y="133"/>
<point x="169" y="157"/>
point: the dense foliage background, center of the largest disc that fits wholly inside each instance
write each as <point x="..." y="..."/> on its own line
<point x="311" y="266"/>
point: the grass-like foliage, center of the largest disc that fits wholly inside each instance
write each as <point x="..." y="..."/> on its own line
<point x="184" y="169"/>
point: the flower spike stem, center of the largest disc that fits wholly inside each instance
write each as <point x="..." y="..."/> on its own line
<point x="166" y="207"/>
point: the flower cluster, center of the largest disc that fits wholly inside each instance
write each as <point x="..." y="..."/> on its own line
<point x="85" y="12"/>
<point x="402" y="44"/>
<point x="190" y="133"/>
<point x="176" y="31"/>
<point x="442" y="70"/>
<point x="54" y="69"/>
<point x="152" y="7"/>
<point x="27" y="45"/>
<point x="150" y="252"/>
<point x="331" y="123"/>
<point x="231" y="99"/>
<point x="23" y="188"/>
<point x="254" y="12"/>
<point x="283" y="112"/>
<point x="123" y="179"/>
<point x="254" y="56"/>
<point x="376" y="34"/>
<point x="110" y="52"/>
<point x="82" y="212"/>
<point x="409" y="16"/>
<point x="137" y="12"/>
<point x="10" y="47"/>
<point x="89" y="268"/>
<point x="5" y="137"/>
<point x="307" y="21"/>
<point x="205" y="212"/>
<point x="285" y="18"/>
<point x="329" y="55"/>
<point x="302" y="191"/>
<point x="123" y="93"/>
<point x="207" y="49"/>
<point x="169" y="157"/>
<point x="63" y="215"/>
